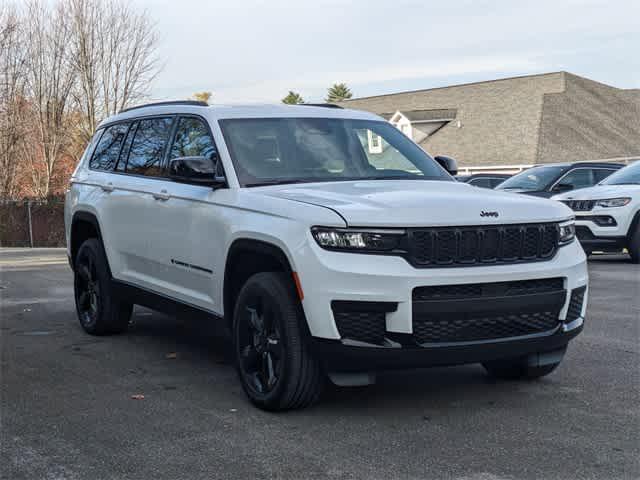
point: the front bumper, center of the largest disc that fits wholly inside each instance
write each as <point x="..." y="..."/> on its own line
<point x="340" y="356"/>
<point x="327" y="276"/>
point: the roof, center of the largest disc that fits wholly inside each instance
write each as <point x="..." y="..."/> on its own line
<point x="532" y="119"/>
<point x="218" y="112"/>
<point x="429" y="115"/>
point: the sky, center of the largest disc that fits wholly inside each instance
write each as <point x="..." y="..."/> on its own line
<point x="247" y="51"/>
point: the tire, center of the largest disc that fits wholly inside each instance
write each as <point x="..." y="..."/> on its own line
<point x="271" y="345"/>
<point x="99" y="311"/>
<point x="634" y="245"/>
<point x="517" y="369"/>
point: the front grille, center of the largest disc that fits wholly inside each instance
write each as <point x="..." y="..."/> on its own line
<point x="440" y="330"/>
<point x="575" y="304"/>
<point x="479" y="290"/>
<point x="580" y="205"/>
<point x="492" y="244"/>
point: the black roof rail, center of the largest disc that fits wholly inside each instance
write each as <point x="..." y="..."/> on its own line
<point x="195" y="103"/>
<point x="324" y="105"/>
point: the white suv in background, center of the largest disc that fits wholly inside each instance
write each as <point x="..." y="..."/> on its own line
<point x="329" y="243"/>
<point x="608" y="215"/>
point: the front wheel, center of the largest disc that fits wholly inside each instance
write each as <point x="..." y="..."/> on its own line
<point x="274" y="360"/>
<point x="634" y="245"/>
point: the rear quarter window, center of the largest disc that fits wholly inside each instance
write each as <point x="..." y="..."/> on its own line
<point x="106" y="153"/>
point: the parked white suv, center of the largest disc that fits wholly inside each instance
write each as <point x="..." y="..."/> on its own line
<point x="608" y="215"/>
<point x="329" y="242"/>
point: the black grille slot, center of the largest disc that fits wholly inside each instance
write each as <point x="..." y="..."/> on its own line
<point x="486" y="311"/>
<point x="575" y="304"/>
<point x="580" y="205"/>
<point x="492" y="244"/>
<point x="479" y="290"/>
<point x="438" y="330"/>
<point x="362" y="321"/>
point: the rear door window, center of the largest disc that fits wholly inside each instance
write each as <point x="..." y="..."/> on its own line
<point x="108" y="149"/>
<point x="148" y="147"/>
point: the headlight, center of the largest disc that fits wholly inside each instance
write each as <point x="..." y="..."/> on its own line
<point x="613" y="202"/>
<point x="567" y="232"/>
<point x="377" y="240"/>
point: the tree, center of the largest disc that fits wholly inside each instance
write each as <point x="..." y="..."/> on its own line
<point x="114" y="52"/>
<point x="202" y="96"/>
<point x="338" y="92"/>
<point x="293" y="98"/>
<point x="12" y="92"/>
<point x="49" y="82"/>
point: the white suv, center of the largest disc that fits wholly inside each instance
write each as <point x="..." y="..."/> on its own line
<point x="329" y="243"/>
<point x="608" y="215"/>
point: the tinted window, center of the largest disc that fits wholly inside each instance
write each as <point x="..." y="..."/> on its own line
<point x="481" y="182"/>
<point x="147" y="149"/>
<point x="602" y="173"/>
<point x="108" y="149"/>
<point x="193" y="140"/>
<point x="578" y="178"/>
<point x="495" y="181"/>
<point x="534" y="179"/>
<point x="124" y="152"/>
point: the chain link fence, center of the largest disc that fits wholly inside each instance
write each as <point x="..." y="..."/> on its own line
<point x="32" y="223"/>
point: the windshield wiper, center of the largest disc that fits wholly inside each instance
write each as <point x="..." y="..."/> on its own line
<point x="275" y="182"/>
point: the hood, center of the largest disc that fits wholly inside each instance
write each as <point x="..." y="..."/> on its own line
<point x="600" y="192"/>
<point x="412" y="203"/>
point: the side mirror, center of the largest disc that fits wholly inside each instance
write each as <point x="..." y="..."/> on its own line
<point x="448" y="163"/>
<point x="195" y="170"/>
<point x="563" y="187"/>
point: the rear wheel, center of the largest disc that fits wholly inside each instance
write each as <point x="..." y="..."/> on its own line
<point x="99" y="310"/>
<point x="517" y="368"/>
<point x="273" y="357"/>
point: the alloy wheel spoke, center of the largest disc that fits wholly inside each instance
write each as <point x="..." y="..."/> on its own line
<point x="83" y="272"/>
<point x="274" y="346"/>
<point x="255" y="320"/>
<point x="271" y="373"/>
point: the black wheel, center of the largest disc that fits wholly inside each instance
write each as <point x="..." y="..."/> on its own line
<point x="99" y="311"/>
<point x="515" y="369"/>
<point x="273" y="357"/>
<point x="634" y="245"/>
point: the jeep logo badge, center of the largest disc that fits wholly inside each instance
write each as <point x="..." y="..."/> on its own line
<point x="489" y="214"/>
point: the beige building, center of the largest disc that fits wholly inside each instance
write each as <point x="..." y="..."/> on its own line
<point x="513" y="123"/>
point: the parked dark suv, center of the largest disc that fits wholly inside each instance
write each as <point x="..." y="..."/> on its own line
<point x="548" y="180"/>
<point x="483" y="180"/>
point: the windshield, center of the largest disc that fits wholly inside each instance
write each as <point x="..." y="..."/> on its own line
<point x="298" y="150"/>
<point x="629" y="175"/>
<point x="532" y="180"/>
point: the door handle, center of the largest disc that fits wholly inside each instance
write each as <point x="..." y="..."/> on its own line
<point x="108" y="187"/>
<point x="162" y="195"/>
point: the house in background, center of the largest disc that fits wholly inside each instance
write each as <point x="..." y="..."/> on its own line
<point x="513" y="123"/>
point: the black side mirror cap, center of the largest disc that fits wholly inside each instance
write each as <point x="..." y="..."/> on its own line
<point x="195" y="170"/>
<point x="448" y="163"/>
<point x="563" y="187"/>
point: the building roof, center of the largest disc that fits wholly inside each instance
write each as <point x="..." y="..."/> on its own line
<point x="551" y="117"/>
<point x="430" y="115"/>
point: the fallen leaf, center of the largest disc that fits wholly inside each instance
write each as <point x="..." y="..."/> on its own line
<point x="137" y="396"/>
<point x="233" y="409"/>
<point x="171" y="355"/>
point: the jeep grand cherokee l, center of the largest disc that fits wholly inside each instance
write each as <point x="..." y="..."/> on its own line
<point x="329" y="243"/>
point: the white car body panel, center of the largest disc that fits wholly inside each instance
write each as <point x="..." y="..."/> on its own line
<point x="623" y="215"/>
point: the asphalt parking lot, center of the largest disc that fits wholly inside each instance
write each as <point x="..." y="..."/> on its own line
<point x="67" y="410"/>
